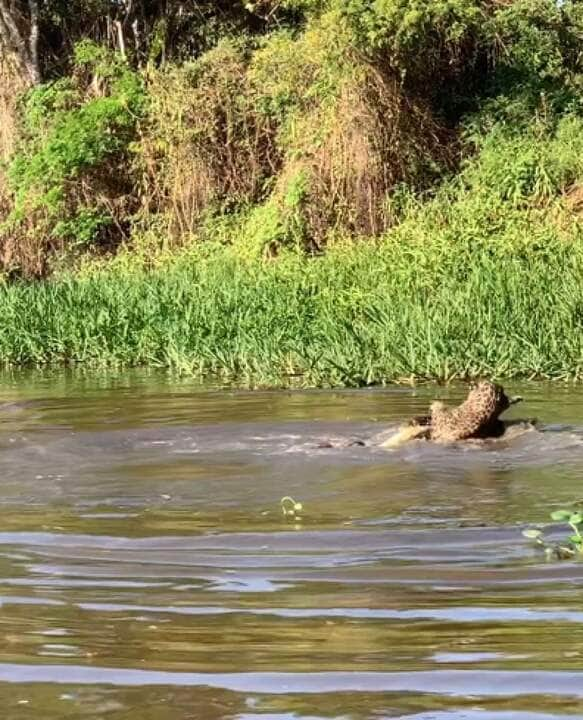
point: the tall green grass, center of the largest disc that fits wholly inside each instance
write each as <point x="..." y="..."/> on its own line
<point x="457" y="307"/>
<point x="483" y="279"/>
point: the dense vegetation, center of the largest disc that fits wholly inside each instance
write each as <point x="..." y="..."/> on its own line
<point x="356" y="316"/>
<point x="351" y="190"/>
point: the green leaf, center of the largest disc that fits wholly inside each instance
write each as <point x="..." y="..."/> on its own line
<point x="576" y="539"/>
<point x="561" y="515"/>
<point x="576" y="518"/>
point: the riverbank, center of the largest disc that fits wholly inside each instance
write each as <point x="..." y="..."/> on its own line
<point x="405" y="307"/>
<point x="325" y="276"/>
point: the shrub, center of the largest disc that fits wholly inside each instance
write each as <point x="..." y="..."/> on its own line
<point x="70" y="178"/>
<point x="206" y="145"/>
<point x="242" y="124"/>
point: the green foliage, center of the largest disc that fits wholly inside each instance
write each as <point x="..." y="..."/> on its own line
<point x="480" y="277"/>
<point x="458" y="53"/>
<point x="564" y="549"/>
<point x="356" y="102"/>
<point x="542" y="38"/>
<point x="540" y="69"/>
<point x="278" y="223"/>
<point x="74" y="128"/>
<point x="410" y="29"/>
<point x="519" y="192"/>
<point x="243" y="123"/>
<point x="449" y="124"/>
<point x="290" y="74"/>
<point x="443" y="307"/>
<point x="528" y="165"/>
<point x="206" y="145"/>
<point x="82" y="227"/>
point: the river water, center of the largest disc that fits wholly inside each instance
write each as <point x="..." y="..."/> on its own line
<point x="148" y="573"/>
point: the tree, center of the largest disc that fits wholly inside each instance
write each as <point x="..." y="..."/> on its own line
<point x="19" y="36"/>
<point x="40" y="34"/>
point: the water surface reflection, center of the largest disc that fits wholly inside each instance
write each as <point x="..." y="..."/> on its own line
<point x="146" y="570"/>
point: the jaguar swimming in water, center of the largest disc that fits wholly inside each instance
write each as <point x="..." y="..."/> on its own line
<point x="478" y="417"/>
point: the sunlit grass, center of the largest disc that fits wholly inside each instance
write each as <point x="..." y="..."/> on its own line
<point x="412" y="307"/>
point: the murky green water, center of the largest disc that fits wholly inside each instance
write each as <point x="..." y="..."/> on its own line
<point x="147" y="573"/>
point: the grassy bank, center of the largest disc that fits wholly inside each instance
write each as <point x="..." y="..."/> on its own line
<point x="360" y="314"/>
<point x="179" y="204"/>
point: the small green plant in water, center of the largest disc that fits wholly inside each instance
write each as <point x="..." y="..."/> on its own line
<point x="562" y="550"/>
<point x="291" y="508"/>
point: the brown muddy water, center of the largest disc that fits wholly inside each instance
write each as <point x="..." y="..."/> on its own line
<point x="147" y="572"/>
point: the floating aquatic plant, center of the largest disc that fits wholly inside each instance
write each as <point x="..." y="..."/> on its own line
<point x="565" y="549"/>
<point x="291" y="508"/>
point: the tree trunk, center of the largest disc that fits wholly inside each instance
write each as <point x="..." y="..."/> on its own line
<point x="19" y="35"/>
<point x="33" y="38"/>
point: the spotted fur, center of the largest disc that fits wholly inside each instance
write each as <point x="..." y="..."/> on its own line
<point x="476" y="417"/>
